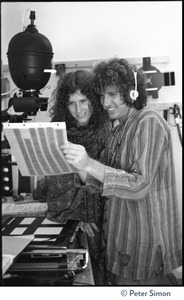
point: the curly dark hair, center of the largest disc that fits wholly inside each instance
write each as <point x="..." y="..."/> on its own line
<point x="118" y="72"/>
<point x="69" y="84"/>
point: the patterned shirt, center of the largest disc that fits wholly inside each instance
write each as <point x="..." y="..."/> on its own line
<point x="142" y="206"/>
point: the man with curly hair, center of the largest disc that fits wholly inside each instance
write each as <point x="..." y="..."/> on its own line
<point x="142" y="231"/>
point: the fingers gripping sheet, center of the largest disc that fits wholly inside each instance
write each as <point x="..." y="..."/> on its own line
<point x="36" y="147"/>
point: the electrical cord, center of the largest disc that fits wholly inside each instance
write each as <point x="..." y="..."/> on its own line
<point x="23" y="18"/>
<point x="3" y="94"/>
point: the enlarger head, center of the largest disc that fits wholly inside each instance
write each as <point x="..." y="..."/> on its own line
<point x="29" y="54"/>
<point x="30" y="63"/>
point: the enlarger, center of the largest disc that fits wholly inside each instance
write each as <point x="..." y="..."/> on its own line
<point x="30" y="64"/>
<point x="51" y="258"/>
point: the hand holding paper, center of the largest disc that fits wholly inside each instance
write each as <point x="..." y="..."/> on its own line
<point x="76" y="155"/>
<point x="36" y="147"/>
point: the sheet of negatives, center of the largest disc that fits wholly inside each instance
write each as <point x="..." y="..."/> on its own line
<point x="36" y="147"/>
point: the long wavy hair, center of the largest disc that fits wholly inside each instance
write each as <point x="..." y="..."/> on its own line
<point x="118" y="72"/>
<point x="69" y="84"/>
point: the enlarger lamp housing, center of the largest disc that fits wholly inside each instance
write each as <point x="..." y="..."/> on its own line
<point x="29" y="53"/>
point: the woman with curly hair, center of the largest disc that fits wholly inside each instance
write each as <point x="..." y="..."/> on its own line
<point x="142" y="232"/>
<point x="76" y="103"/>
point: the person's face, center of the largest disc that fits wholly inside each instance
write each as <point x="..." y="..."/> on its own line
<point x="80" y="108"/>
<point x="113" y="103"/>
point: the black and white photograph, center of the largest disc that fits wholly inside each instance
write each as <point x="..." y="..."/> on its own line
<point x="91" y="149"/>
